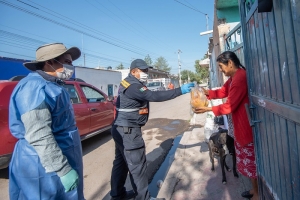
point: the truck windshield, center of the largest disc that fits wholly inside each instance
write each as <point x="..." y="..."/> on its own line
<point x="153" y="84"/>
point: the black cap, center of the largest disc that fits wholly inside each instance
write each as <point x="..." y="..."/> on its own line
<point x="139" y="63"/>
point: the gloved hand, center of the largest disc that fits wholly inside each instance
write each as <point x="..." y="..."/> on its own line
<point x="186" y="88"/>
<point x="70" y="180"/>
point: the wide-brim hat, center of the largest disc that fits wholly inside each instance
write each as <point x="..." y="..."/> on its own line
<point x="139" y="63"/>
<point x="50" y="51"/>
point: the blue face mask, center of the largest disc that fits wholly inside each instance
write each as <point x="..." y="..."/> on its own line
<point x="67" y="73"/>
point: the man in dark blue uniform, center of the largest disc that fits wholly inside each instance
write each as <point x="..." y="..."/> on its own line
<point x="132" y="113"/>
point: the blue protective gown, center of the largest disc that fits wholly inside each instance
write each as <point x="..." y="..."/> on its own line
<point x="28" y="177"/>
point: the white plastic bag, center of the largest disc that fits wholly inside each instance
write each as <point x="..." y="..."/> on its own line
<point x="210" y="127"/>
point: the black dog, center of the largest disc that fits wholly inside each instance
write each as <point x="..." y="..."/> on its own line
<point x="216" y="143"/>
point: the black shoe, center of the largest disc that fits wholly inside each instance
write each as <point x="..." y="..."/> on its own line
<point x="153" y="198"/>
<point x="128" y="196"/>
<point x="247" y="194"/>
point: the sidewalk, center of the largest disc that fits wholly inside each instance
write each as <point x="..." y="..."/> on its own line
<point x="190" y="176"/>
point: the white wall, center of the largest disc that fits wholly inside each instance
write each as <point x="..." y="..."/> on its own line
<point x="124" y="72"/>
<point x="100" y="78"/>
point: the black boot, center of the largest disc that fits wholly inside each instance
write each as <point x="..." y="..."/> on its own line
<point x="247" y="194"/>
<point x="129" y="195"/>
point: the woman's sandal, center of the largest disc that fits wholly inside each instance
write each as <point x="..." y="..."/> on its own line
<point x="247" y="194"/>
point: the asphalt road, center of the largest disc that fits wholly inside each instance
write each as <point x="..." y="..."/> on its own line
<point x="167" y="120"/>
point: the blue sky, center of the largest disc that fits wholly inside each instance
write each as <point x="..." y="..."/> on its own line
<point x="108" y="32"/>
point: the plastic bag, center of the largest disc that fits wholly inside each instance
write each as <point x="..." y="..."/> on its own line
<point x="198" y="98"/>
<point x="210" y="126"/>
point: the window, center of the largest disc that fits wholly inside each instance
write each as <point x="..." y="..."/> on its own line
<point x="73" y="93"/>
<point x="92" y="95"/>
<point x="234" y="37"/>
<point x="154" y="84"/>
<point x="110" y="91"/>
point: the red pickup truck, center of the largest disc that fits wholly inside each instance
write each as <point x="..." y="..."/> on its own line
<point x="94" y="113"/>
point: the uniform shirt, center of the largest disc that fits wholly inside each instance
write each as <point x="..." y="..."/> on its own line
<point x="137" y="96"/>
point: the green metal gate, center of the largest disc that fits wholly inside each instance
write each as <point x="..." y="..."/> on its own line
<point x="272" y="54"/>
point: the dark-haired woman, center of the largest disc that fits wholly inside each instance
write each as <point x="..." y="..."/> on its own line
<point x="235" y="89"/>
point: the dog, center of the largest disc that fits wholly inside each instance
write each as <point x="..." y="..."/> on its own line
<point x="216" y="145"/>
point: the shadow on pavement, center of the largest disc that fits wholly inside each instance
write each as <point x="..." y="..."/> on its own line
<point x="94" y="142"/>
<point x="152" y="167"/>
<point x="4" y="173"/>
<point x="197" y="181"/>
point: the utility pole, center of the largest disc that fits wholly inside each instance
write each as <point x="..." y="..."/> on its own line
<point x="84" y="59"/>
<point x="179" y="66"/>
<point x="206" y="22"/>
<point x="82" y="50"/>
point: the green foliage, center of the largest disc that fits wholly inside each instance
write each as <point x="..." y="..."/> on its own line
<point x="204" y="57"/>
<point x="185" y="74"/>
<point x="120" y="66"/>
<point x="148" y="60"/>
<point x="162" y="64"/>
<point x="202" y="71"/>
<point x="200" y="76"/>
<point x="189" y="76"/>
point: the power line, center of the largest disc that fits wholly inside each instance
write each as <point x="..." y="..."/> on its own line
<point x="35" y="43"/>
<point x="16" y="54"/>
<point x="193" y="9"/>
<point x="15" y="45"/>
<point x="60" y="16"/>
<point x="94" y="30"/>
<point x="137" y="23"/>
<point x="69" y="27"/>
<point x="38" y="42"/>
<point x="190" y="7"/>
<point x="126" y="25"/>
<point x="28" y="4"/>
<point x="51" y="40"/>
<point x="24" y="42"/>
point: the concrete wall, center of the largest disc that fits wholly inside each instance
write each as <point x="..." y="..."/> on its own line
<point x="228" y="10"/>
<point x="100" y="78"/>
<point x="230" y="14"/>
<point x="124" y="72"/>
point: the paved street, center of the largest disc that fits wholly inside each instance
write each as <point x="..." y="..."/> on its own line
<point x="167" y="119"/>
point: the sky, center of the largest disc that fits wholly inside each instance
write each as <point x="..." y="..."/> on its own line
<point x="108" y="32"/>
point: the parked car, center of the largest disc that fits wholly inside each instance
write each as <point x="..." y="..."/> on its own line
<point x="156" y="86"/>
<point x="93" y="109"/>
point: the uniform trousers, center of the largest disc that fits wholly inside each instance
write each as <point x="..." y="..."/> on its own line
<point x="129" y="157"/>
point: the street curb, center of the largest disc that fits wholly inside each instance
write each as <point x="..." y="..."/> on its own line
<point x="187" y="148"/>
<point x="190" y="172"/>
<point x="173" y="175"/>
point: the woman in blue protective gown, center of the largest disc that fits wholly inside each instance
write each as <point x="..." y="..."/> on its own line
<point x="47" y="159"/>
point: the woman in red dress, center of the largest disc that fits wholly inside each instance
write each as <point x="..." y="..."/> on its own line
<point x="236" y="91"/>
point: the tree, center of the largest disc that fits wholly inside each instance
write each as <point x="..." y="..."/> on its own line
<point x="120" y="66"/>
<point x="162" y="64"/>
<point x="189" y="76"/>
<point x="204" y="57"/>
<point x="148" y="60"/>
<point x="202" y="71"/>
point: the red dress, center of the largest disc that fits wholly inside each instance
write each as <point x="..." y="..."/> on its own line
<point x="236" y="91"/>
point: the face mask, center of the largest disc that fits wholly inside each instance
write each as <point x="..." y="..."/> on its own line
<point x="143" y="77"/>
<point x="68" y="71"/>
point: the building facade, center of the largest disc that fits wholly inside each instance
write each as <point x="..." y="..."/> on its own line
<point x="265" y="35"/>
